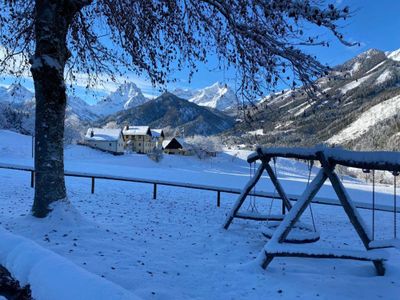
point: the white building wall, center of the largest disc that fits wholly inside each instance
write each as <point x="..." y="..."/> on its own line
<point x="112" y="146"/>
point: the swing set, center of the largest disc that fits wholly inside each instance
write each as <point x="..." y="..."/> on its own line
<point x="285" y="230"/>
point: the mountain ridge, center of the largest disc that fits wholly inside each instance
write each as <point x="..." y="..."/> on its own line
<point x="357" y="86"/>
<point x="174" y="114"/>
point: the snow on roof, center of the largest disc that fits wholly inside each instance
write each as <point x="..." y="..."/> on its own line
<point x="102" y="134"/>
<point x="136" y="130"/>
<point x="180" y="141"/>
<point x="156" y="132"/>
<point x="165" y="143"/>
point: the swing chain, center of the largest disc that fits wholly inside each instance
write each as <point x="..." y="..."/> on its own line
<point x="310" y="166"/>
<point x="252" y="205"/>
<point x="273" y="195"/>
<point x="373" y="204"/>
<point x="395" y="174"/>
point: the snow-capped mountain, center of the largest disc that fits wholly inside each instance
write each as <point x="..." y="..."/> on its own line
<point x="358" y="107"/>
<point x="17" y="112"/>
<point x="218" y="96"/>
<point x="16" y="94"/>
<point x="126" y="96"/>
<point x="173" y="114"/>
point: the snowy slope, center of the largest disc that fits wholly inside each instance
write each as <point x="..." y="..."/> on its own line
<point x="354" y="84"/>
<point x="218" y="96"/>
<point x="173" y="247"/>
<point x="126" y="96"/>
<point x="290" y="118"/>
<point x="80" y="108"/>
<point x="51" y="276"/>
<point x="367" y="120"/>
<point x="394" y="55"/>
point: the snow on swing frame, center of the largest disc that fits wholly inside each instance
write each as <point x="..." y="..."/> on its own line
<point x="328" y="157"/>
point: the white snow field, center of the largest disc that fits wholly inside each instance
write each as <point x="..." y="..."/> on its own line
<point x="174" y="247"/>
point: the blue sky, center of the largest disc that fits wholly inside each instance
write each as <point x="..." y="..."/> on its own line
<point x="375" y="24"/>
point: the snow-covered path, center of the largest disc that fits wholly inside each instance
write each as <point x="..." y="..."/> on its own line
<point x="174" y="247"/>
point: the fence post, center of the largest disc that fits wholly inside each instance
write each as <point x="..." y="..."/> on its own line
<point x="32" y="179"/>
<point x="92" y="185"/>
<point x="283" y="207"/>
<point x="218" y="198"/>
<point x="155" y="191"/>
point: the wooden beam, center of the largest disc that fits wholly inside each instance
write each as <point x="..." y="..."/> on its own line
<point x="301" y="205"/>
<point x="252" y="182"/>
<point x="297" y="153"/>
<point x="346" y="201"/>
<point x="378" y="263"/>
<point x="294" y="214"/>
<point x="373" y="160"/>
<point x="278" y="186"/>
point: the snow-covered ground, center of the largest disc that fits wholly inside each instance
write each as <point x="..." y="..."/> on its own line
<point x="355" y="83"/>
<point x="174" y="247"/>
<point x="378" y="113"/>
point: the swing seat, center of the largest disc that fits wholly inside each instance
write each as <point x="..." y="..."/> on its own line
<point x="249" y="215"/>
<point x="299" y="234"/>
<point x="378" y="257"/>
<point x="382" y="244"/>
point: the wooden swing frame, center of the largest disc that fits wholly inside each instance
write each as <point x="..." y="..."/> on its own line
<point x="328" y="158"/>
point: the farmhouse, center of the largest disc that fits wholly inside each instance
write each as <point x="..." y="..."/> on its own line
<point x="138" y="138"/>
<point x="176" y="146"/>
<point x="158" y="137"/>
<point x="110" y="140"/>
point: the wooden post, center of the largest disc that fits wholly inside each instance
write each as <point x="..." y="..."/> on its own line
<point x="283" y="208"/>
<point x="278" y="186"/>
<point x="345" y="200"/>
<point x="155" y="191"/>
<point x="92" y="185"/>
<point x="219" y="199"/>
<point x="32" y="179"/>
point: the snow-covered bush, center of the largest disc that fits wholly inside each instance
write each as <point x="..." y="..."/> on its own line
<point x="204" y="146"/>
<point x="112" y="125"/>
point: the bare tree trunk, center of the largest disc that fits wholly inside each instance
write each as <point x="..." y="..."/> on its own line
<point x="51" y="54"/>
<point x="49" y="135"/>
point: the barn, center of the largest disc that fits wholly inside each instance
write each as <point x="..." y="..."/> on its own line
<point x="110" y="140"/>
<point x="175" y="146"/>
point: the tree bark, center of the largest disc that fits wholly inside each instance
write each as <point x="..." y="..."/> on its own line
<point x="53" y="19"/>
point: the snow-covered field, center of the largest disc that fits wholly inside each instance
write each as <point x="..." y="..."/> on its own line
<point x="174" y="247"/>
